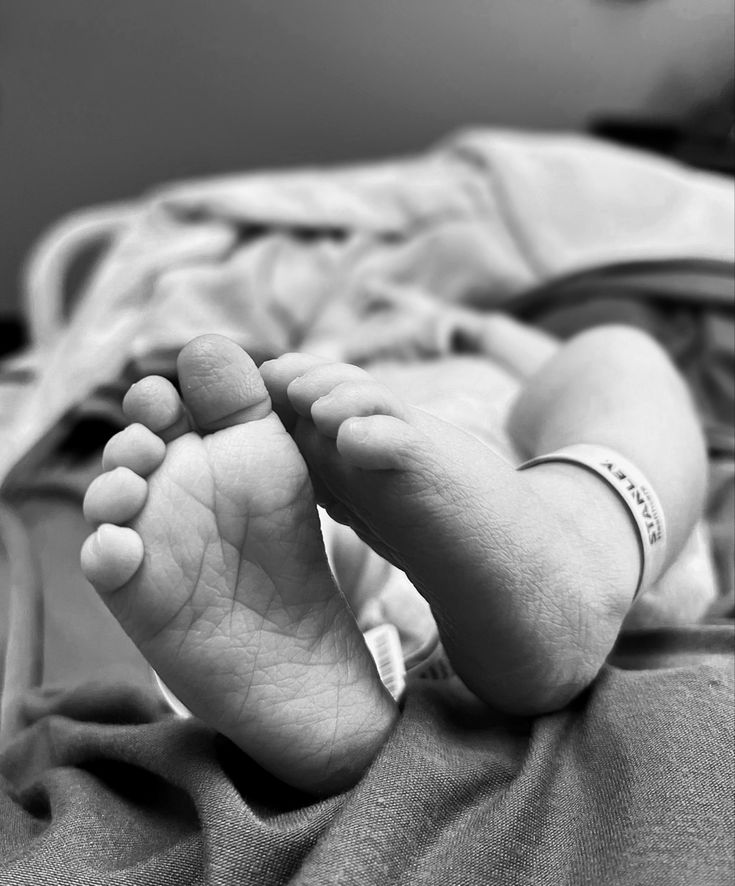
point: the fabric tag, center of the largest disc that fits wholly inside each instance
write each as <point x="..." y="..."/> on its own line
<point x="384" y="643"/>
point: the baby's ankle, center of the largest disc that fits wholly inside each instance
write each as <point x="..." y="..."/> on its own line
<point x="574" y="574"/>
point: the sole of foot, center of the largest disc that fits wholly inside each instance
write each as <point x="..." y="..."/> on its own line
<point x="494" y="551"/>
<point x="209" y="553"/>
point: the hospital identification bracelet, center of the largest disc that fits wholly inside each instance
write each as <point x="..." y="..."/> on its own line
<point x="632" y="488"/>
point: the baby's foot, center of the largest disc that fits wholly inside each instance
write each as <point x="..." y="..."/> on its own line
<point x="496" y="552"/>
<point x="209" y="553"/>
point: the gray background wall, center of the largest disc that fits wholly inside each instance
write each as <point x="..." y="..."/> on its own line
<point x="101" y="99"/>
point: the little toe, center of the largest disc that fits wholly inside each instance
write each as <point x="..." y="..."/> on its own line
<point x="155" y="403"/>
<point x="380" y="442"/>
<point x="116" y="496"/>
<point x="319" y="381"/>
<point x="354" y="399"/>
<point x="111" y="556"/>
<point x="220" y="383"/>
<point x="135" y="447"/>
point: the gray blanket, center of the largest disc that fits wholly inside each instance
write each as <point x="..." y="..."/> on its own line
<point x="630" y="785"/>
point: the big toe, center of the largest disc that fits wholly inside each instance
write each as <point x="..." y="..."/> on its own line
<point x="220" y="383"/>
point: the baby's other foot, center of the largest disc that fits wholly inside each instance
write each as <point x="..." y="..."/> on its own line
<point x="209" y="553"/>
<point x="494" y="551"/>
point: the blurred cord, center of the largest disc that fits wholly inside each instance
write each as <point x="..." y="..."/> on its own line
<point x="49" y="261"/>
<point x="24" y="650"/>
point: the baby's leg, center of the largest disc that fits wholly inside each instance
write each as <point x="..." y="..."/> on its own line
<point x="614" y="386"/>
<point x="529" y="573"/>
<point x="209" y="554"/>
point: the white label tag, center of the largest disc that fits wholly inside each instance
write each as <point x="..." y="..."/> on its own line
<point x="384" y="644"/>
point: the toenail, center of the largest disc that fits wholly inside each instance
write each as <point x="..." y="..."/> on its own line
<point x="359" y="428"/>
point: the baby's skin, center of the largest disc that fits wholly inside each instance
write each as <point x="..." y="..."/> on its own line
<point x="208" y="549"/>
<point x="209" y="553"/>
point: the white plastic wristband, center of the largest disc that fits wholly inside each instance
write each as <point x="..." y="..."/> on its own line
<point x="632" y="488"/>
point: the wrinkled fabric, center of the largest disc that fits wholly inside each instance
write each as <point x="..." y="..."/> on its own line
<point x="297" y="260"/>
<point x="631" y="784"/>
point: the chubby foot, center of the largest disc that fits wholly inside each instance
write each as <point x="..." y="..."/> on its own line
<point x="495" y="552"/>
<point x="209" y="553"/>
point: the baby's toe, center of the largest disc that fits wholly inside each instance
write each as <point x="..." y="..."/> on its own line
<point x="155" y="403"/>
<point x="382" y="442"/>
<point x="111" y="556"/>
<point x="220" y="384"/>
<point x="116" y="496"/>
<point x="278" y="374"/>
<point x="354" y="399"/>
<point x="136" y="448"/>
<point x="319" y="381"/>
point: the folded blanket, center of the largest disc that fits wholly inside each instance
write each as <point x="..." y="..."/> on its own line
<point x="298" y="259"/>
